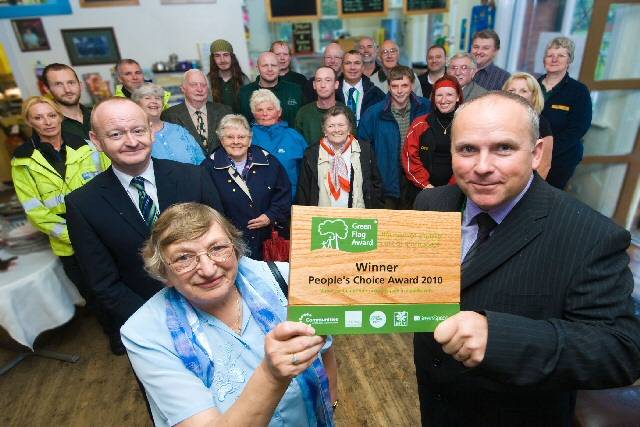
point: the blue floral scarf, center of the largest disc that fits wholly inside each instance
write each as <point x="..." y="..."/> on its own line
<point x="266" y="308"/>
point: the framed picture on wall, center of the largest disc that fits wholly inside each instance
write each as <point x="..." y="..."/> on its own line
<point x="16" y="8"/>
<point x="90" y="46"/>
<point x="30" y="34"/>
<point x="108" y="3"/>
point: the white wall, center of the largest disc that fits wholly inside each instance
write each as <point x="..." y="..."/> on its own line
<point x="147" y="33"/>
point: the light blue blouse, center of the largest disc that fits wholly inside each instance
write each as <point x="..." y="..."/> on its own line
<point x="174" y="392"/>
<point x="173" y="142"/>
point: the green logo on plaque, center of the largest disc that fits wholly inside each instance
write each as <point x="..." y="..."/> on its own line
<point x="344" y="234"/>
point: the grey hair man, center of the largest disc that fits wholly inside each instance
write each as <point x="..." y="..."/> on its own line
<point x="389" y="54"/>
<point x="197" y="114"/>
<point x="463" y="67"/>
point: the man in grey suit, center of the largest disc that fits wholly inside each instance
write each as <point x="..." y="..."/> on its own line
<point x="196" y="114"/>
<point x="545" y="293"/>
<point x="463" y="67"/>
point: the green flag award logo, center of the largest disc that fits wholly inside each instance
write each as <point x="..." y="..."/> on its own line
<point x="344" y="234"/>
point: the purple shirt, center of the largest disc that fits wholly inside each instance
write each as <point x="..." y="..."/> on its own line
<point x="470" y="226"/>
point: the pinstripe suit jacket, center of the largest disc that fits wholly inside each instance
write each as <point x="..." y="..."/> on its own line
<point x="554" y="284"/>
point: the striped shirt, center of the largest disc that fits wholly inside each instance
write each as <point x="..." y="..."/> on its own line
<point x="491" y="77"/>
<point x="403" y="117"/>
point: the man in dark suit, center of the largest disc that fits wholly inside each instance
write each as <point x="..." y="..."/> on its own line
<point x="199" y="116"/>
<point x="545" y="293"/>
<point x="110" y="219"/>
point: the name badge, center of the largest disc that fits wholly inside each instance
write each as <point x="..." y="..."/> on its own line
<point x="560" y="107"/>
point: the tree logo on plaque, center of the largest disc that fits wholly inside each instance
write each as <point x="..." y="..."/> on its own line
<point x="344" y="234"/>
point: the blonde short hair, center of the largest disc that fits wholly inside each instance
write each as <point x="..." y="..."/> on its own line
<point x="232" y="121"/>
<point x="263" y="95"/>
<point x="30" y="102"/>
<point x="183" y="222"/>
<point x="536" y="91"/>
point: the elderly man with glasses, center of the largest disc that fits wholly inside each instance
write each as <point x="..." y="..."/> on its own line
<point x="463" y="67"/>
<point x="389" y="56"/>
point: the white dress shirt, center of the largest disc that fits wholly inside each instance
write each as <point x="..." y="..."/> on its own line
<point x="357" y="95"/>
<point x="149" y="185"/>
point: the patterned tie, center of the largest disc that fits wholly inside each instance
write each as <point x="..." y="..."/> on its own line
<point x="201" y="131"/>
<point x="148" y="209"/>
<point x="351" y="101"/>
<point x="486" y="224"/>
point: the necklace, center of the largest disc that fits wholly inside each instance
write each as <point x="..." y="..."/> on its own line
<point x="440" y="123"/>
<point x="238" y="327"/>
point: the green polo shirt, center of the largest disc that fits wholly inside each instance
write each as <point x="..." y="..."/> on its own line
<point x="289" y="94"/>
<point x="70" y="125"/>
<point x="309" y="122"/>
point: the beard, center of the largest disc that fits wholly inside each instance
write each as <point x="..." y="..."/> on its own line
<point x="71" y="103"/>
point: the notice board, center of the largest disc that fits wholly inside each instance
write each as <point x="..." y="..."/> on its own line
<point x="361" y="8"/>
<point x="422" y="7"/>
<point x="292" y="10"/>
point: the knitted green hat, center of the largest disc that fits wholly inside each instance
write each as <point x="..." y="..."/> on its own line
<point x="221" y="45"/>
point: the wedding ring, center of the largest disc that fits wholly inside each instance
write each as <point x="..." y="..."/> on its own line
<point x="294" y="359"/>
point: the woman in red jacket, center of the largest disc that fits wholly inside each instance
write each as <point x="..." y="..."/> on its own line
<point x="426" y="154"/>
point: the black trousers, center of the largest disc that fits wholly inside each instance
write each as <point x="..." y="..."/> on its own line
<point x="73" y="272"/>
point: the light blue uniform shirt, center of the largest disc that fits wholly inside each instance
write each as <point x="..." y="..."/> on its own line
<point x="174" y="392"/>
<point x="173" y="142"/>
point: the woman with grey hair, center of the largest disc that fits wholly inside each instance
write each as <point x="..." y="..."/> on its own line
<point x="275" y="135"/>
<point x="567" y="107"/>
<point x="171" y="141"/>
<point x="253" y="185"/>
<point x="214" y="347"/>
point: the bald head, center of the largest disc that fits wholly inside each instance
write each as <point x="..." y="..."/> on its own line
<point x="333" y="54"/>
<point x="269" y="69"/>
<point x="389" y="54"/>
<point x="114" y="102"/>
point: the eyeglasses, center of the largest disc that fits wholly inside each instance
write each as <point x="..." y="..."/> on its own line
<point x="337" y="126"/>
<point x="556" y="56"/>
<point x="463" y="68"/>
<point x="392" y="51"/>
<point x="116" y="135"/>
<point x="186" y="262"/>
<point x="240" y="138"/>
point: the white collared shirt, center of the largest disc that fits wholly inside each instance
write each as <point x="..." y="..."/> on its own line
<point x="149" y="185"/>
<point x="357" y="96"/>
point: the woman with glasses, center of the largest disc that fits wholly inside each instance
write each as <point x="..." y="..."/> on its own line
<point x="214" y="346"/>
<point x="170" y="141"/>
<point x="253" y="185"/>
<point x="339" y="171"/>
<point x="567" y="107"/>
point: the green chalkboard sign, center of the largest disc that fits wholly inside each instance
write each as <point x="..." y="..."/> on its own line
<point x="422" y="7"/>
<point x="288" y="10"/>
<point x="361" y="8"/>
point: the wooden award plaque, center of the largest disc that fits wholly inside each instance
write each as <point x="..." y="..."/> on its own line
<point x="366" y="271"/>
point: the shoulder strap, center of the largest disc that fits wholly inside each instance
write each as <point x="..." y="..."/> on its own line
<point x="278" y="276"/>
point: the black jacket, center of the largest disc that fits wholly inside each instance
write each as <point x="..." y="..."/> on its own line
<point x="372" y="94"/>
<point x="308" y="186"/>
<point x="108" y="232"/>
<point x="554" y="285"/>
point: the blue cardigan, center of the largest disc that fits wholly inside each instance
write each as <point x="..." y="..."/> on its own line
<point x="270" y="194"/>
<point x="379" y="128"/>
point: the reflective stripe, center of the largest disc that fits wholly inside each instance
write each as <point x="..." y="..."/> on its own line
<point x="95" y="156"/>
<point x="31" y="204"/>
<point x="59" y="229"/>
<point x="54" y="201"/>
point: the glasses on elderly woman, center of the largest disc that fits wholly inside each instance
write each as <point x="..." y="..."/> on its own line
<point x="186" y="262"/>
